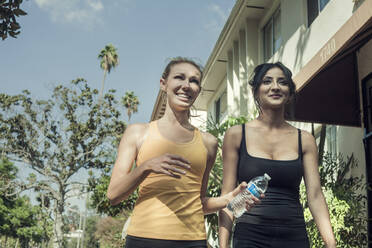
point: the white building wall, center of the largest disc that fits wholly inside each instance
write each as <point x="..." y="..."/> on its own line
<point x="350" y="141"/>
<point x="211" y="108"/>
<point x="231" y="106"/>
<point x="251" y="27"/>
<point x="236" y="79"/>
<point x="243" y="73"/>
<point x="198" y="118"/>
<point x="299" y="44"/>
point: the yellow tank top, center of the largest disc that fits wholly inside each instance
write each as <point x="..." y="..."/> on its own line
<point x="167" y="207"/>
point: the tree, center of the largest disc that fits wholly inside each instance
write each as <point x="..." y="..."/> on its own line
<point x="130" y="102"/>
<point x="109" y="59"/>
<point x="92" y="241"/>
<point x="18" y="218"/>
<point x="9" y="10"/>
<point x="8" y="173"/>
<point x="59" y="137"/>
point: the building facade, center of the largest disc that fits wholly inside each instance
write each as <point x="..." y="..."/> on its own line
<point x="326" y="44"/>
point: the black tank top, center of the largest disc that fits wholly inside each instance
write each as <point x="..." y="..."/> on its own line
<point x="281" y="203"/>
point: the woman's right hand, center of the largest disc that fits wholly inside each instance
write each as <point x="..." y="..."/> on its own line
<point x="169" y="164"/>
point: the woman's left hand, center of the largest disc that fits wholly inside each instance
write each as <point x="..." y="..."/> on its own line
<point x="236" y="191"/>
<point x="252" y="201"/>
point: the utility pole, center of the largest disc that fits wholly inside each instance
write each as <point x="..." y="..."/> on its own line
<point x="85" y="219"/>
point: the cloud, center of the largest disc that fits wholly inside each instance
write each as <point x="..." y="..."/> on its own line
<point x="86" y="13"/>
<point x="217" y="17"/>
<point x="214" y="8"/>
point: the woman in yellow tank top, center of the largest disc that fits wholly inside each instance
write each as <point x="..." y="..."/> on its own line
<point x="173" y="161"/>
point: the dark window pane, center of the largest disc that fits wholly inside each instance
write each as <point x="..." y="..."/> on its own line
<point x="322" y="4"/>
<point x="277" y="31"/>
<point x="268" y="40"/>
<point x="217" y="108"/>
<point x="312" y="11"/>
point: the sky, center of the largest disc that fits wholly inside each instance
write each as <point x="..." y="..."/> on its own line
<point x="60" y="41"/>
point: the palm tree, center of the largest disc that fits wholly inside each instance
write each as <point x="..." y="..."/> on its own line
<point x="131" y="103"/>
<point x="109" y="59"/>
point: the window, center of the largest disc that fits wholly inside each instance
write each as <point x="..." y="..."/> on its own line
<point x="218" y="110"/>
<point x="330" y="143"/>
<point x="331" y="139"/>
<point x="220" y="107"/>
<point x="314" y="7"/>
<point x="272" y="35"/>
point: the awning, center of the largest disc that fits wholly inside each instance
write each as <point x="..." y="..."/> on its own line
<point x="327" y="86"/>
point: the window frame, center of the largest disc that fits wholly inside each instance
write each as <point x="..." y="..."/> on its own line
<point x="273" y="23"/>
<point x="317" y="8"/>
<point x="219" y="109"/>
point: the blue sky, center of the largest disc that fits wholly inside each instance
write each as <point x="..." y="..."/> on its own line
<point x="60" y="41"/>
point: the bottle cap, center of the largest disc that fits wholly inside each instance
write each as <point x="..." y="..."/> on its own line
<point x="267" y="177"/>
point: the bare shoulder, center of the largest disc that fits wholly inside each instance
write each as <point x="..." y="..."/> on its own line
<point x="308" y="141"/>
<point x="233" y="137"/>
<point x="209" y="140"/>
<point x="234" y="132"/>
<point x="135" y="132"/>
<point x="137" y="128"/>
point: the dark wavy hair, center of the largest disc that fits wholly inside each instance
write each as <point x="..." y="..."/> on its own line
<point x="258" y="75"/>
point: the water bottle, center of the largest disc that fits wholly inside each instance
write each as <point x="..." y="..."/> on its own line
<point x="256" y="187"/>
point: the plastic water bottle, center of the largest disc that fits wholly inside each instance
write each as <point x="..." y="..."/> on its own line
<point x="256" y="187"/>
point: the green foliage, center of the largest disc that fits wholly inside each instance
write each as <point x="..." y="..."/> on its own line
<point x="218" y="129"/>
<point x="346" y="203"/>
<point x="8" y="172"/>
<point x="18" y="218"/>
<point x="9" y="10"/>
<point x="130" y="102"/>
<point x="108" y="58"/>
<point x="90" y="229"/>
<point x="215" y="177"/>
<point x="100" y="202"/>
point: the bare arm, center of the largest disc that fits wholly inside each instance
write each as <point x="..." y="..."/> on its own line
<point x="124" y="180"/>
<point x="213" y="204"/>
<point x="230" y="154"/>
<point x="317" y="204"/>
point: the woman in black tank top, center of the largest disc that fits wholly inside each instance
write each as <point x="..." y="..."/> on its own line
<point x="270" y="145"/>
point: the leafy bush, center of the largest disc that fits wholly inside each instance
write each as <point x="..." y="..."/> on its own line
<point x="346" y="203"/>
<point x="215" y="177"/>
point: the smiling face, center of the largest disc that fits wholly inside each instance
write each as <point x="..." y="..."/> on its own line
<point x="182" y="85"/>
<point x="274" y="89"/>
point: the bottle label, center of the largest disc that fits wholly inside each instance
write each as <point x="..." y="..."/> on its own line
<point x="253" y="189"/>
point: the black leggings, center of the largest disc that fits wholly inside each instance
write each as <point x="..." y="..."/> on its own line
<point x="264" y="236"/>
<point x="137" y="242"/>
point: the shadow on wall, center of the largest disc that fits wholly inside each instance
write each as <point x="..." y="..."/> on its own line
<point x="301" y="46"/>
<point x="302" y="42"/>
